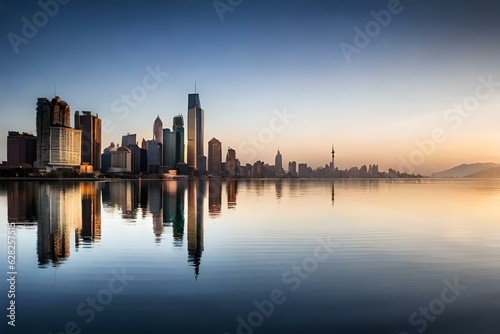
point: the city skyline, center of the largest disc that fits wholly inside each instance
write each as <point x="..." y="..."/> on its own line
<point x="386" y="104"/>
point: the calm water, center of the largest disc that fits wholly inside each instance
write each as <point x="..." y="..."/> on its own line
<point x="293" y="256"/>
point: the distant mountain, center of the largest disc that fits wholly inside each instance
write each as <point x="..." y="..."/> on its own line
<point x="465" y="170"/>
<point x="487" y="174"/>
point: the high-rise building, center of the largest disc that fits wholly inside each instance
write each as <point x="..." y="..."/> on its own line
<point x="129" y="139"/>
<point x="58" y="145"/>
<point x="121" y="159"/>
<point x="169" y="148"/>
<point x="178" y="128"/>
<point x="173" y="143"/>
<point x="91" y="138"/>
<point x="154" y="156"/>
<point x="292" y="168"/>
<point x="65" y="147"/>
<point x="158" y="130"/>
<point x="195" y="157"/>
<point x="231" y="162"/>
<point x="302" y="170"/>
<point x="278" y="164"/>
<point x="214" y="157"/>
<point x="106" y="157"/>
<point x="43" y="123"/>
<point x="21" y="148"/>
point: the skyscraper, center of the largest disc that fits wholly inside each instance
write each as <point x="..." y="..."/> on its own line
<point x="91" y="137"/>
<point x="173" y="143"/>
<point x="178" y="128"/>
<point x="302" y="170"/>
<point x="195" y="155"/>
<point x="158" y="130"/>
<point x="43" y="123"/>
<point x="292" y="168"/>
<point x="154" y="156"/>
<point x="278" y="164"/>
<point x="231" y="162"/>
<point x="214" y="156"/>
<point x="169" y="148"/>
<point x="58" y="145"/>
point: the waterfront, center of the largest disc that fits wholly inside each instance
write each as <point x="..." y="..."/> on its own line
<point x="354" y="256"/>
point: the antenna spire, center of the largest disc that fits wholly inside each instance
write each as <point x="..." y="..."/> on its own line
<point x="195" y="87"/>
<point x="55" y="91"/>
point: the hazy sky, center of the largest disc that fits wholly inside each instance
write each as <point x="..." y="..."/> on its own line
<point x="267" y="58"/>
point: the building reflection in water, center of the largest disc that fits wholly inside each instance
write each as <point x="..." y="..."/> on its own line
<point x="278" y="185"/>
<point x="21" y="202"/>
<point x="196" y="194"/>
<point x="333" y="193"/>
<point x="155" y="207"/>
<point x="123" y="195"/>
<point x="214" y="197"/>
<point x="59" y="210"/>
<point x="91" y="212"/>
<point x="73" y="209"/>
<point x="173" y="209"/>
<point x="232" y="191"/>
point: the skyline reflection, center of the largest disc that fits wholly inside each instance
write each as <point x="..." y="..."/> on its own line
<point x="66" y="211"/>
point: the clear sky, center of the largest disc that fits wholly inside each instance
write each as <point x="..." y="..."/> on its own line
<point x="269" y="57"/>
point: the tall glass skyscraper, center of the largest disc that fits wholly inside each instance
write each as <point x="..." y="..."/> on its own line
<point x="195" y="156"/>
<point x="178" y="128"/>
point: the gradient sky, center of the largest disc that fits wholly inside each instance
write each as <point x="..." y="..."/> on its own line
<point x="263" y="57"/>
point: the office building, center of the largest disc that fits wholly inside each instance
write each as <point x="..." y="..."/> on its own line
<point x="231" y="162"/>
<point x="302" y="170"/>
<point x="158" y="130"/>
<point x="195" y="155"/>
<point x="278" y="164"/>
<point x="178" y="128"/>
<point x="129" y="139"/>
<point x="65" y="147"/>
<point x="154" y="154"/>
<point x="58" y="145"/>
<point x="21" y="148"/>
<point x="121" y="160"/>
<point x="169" y="148"/>
<point x="292" y="168"/>
<point x="214" y="157"/>
<point x="91" y="138"/>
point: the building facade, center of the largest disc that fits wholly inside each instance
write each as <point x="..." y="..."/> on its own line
<point x="65" y="147"/>
<point x="195" y="156"/>
<point x="129" y="139"/>
<point x="178" y="128"/>
<point x="154" y="153"/>
<point x="121" y="159"/>
<point x="158" y="130"/>
<point x="214" y="156"/>
<point x="58" y="145"/>
<point x="302" y="170"/>
<point x="91" y="138"/>
<point x="21" y="148"/>
<point x="278" y="164"/>
<point x="231" y="162"/>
